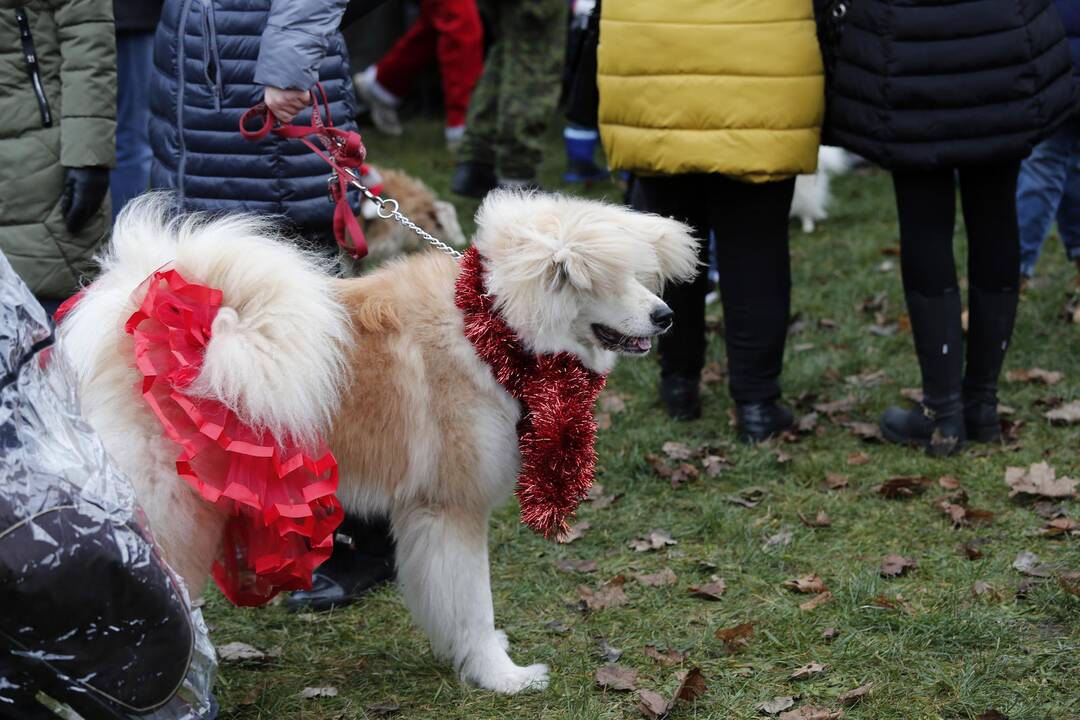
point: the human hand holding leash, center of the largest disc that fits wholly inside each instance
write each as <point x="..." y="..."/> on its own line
<point x="286" y="103"/>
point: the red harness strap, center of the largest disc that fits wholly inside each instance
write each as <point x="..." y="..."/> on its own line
<point x="340" y="149"/>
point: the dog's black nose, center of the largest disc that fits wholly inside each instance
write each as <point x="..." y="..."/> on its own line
<point x="662" y="317"/>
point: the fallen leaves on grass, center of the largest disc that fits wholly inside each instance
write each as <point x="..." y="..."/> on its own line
<point x="1070" y="583"/>
<point x="807" y="423"/>
<point x="896" y="565"/>
<point x="1040" y="480"/>
<point x="903" y="486"/>
<point x="983" y="589"/>
<point x="1065" y="415"/>
<point x="608" y="595"/>
<point x="677" y="450"/>
<point x="243" y="653"/>
<point x="812" y="713"/>
<point x="816" y="601"/>
<point x="654" y="540"/>
<point x="868" y="432"/>
<point x="598" y="500"/>
<point x="855" y="695"/>
<point x="383" y="709"/>
<point x="611" y="402"/>
<point x="749" y="496"/>
<point x="858" y="458"/>
<point x="780" y="539"/>
<point x="834" y="481"/>
<point x="581" y="566"/>
<point x="1061" y="526"/>
<point x="835" y="406"/>
<point x="948" y="482"/>
<point x="830" y="633"/>
<point x="818" y="521"/>
<point x="557" y="627"/>
<point x="658" y="579"/>
<point x="617" y="678"/>
<point x="676" y="474"/>
<point x="991" y="715"/>
<point x="1048" y="509"/>
<point x="713" y="465"/>
<point x="809" y="670"/>
<point x="776" y="705"/>
<point x="806" y="584"/>
<point x="666" y="657"/>
<point x="1028" y="563"/>
<point x="1035" y="374"/>
<point x="573" y="532"/>
<point x="691" y="687"/>
<point x="737" y="637"/>
<point x="897" y="602"/>
<point x="712" y="590"/>
<point x="310" y="693"/>
<point x="607" y="651"/>
<point x="955" y="506"/>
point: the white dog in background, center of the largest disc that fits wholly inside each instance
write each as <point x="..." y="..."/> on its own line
<point x="812" y="192"/>
<point x="378" y="365"/>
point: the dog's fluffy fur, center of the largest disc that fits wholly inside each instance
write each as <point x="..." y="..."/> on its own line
<point x="380" y="365"/>
<point x="812" y="192"/>
<point x="387" y="238"/>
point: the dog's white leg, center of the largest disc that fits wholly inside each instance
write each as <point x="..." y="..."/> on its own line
<point x="808" y="225"/>
<point x="442" y="566"/>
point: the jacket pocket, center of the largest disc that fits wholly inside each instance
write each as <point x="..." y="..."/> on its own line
<point x="30" y="57"/>
<point x="211" y="53"/>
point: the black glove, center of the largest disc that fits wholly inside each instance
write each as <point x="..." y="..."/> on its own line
<point x="84" y="191"/>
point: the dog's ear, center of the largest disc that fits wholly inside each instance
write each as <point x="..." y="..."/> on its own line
<point x="675" y="246"/>
<point x="570" y="269"/>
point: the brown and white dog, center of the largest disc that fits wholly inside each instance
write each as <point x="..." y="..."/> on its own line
<point x="380" y="366"/>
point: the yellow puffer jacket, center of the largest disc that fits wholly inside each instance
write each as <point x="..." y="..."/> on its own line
<point x="734" y="87"/>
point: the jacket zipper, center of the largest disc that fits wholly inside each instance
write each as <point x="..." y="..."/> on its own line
<point x="211" y="55"/>
<point x="30" y="56"/>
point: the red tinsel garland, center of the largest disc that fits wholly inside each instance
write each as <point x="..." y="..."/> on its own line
<point x="557" y="430"/>
<point x="281" y="502"/>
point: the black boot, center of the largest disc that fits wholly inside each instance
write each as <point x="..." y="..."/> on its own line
<point x="938" y="425"/>
<point x="472" y="179"/>
<point x="758" y="421"/>
<point x="681" y="395"/>
<point x="991" y="316"/>
<point x="363" y="559"/>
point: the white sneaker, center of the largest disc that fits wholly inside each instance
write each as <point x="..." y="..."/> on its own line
<point x="381" y="103"/>
<point x="454" y="135"/>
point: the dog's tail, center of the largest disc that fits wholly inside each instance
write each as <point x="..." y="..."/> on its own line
<point x="276" y="352"/>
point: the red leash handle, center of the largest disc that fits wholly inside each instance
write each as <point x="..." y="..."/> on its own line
<point x="340" y="149"/>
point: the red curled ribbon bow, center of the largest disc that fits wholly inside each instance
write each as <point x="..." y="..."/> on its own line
<point x="281" y="501"/>
<point x="340" y="149"/>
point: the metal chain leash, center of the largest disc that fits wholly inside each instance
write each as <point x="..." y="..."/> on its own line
<point x="387" y="209"/>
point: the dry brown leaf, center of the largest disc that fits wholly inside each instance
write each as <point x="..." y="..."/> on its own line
<point x="1065" y="415"/>
<point x="830" y="633"/>
<point x="714" y="465"/>
<point x="737" y="636"/>
<point x="658" y="579"/>
<point x="812" y="713"/>
<point x="780" y="539"/>
<point x="1035" y="374"/>
<point x="713" y="372"/>
<point x="665" y="657"/>
<point x="382" y="709"/>
<point x="652" y="705"/>
<point x="243" y="653"/>
<point x="775" y="706"/>
<point x="573" y="532"/>
<point x="1040" y="480"/>
<point x="858" y="458"/>
<point x="981" y="588"/>
<point x="1048" y="509"/>
<point x="617" y="678"/>
<point x="1070" y="583"/>
<point x="914" y="395"/>
<point x="677" y="450"/>
<point x="807" y="423"/>
<point x="749" y="496"/>
<point x="806" y="584"/>
<point x="833" y="481"/>
<point x="853" y="696"/>
<point x="581" y="566"/>
<point x="1061" y="526"/>
<point x="712" y="590"/>
<point x="654" y="540"/>
<point x="1028" y="563"/>
<point x="818" y="521"/>
<point x="836" y="406"/>
<point x="801" y="673"/>
<point x="608" y="595"/>
<point x="691" y="685"/>
<point x="903" y="486"/>
<point x="611" y="402"/>
<point x="895" y="565"/>
<point x="948" y="482"/>
<point x="869" y="432"/>
<point x="816" y="601"/>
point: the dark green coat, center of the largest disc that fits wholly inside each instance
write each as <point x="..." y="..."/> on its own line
<point x="76" y="55"/>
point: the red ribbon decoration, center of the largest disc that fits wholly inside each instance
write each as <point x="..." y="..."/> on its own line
<point x="557" y="430"/>
<point x="281" y="501"/>
<point x="341" y="149"/>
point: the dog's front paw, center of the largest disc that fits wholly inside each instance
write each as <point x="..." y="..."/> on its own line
<point x="517" y="679"/>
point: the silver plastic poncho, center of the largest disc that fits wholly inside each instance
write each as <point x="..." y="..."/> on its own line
<point x="91" y="618"/>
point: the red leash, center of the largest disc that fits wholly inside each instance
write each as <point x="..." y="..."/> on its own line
<point x="340" y="149"/>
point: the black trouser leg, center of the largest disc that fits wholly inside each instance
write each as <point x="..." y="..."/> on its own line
<point x="683" y="197"/>
<point x="993" y="278"/>
<point x="750" y="222"/>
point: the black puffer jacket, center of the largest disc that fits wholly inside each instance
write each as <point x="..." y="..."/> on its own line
<point x="943" y="83"/>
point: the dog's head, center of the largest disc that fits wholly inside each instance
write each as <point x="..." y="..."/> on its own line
<point x="580" y="276"/>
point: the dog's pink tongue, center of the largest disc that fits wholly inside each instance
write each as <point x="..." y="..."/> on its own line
<point x="643" y="344"/>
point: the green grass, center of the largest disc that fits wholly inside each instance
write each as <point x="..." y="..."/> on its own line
<point x="947" y="655"/>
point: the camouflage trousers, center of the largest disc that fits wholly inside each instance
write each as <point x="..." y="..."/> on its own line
<point x="519" y="89"/>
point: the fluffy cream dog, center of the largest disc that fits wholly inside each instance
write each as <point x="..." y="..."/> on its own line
<point x="380" y="366"/>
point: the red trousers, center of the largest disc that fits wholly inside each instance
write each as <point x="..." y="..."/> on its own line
<point x="449" y="30"/>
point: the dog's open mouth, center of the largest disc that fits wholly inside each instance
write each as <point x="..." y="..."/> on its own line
<point x="611" y="339"/>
